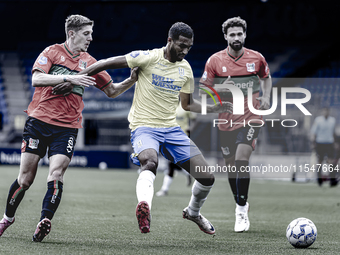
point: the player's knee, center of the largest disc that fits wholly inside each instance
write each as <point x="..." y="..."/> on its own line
<point x="207" y="180"/>
<point x="150" y="165"/>
<point x="25" y="183"/>
<point x="56" y="175"/>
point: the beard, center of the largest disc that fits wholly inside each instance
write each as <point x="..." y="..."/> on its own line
<point x="236" y="47"/>
<point x="174" y="55"/>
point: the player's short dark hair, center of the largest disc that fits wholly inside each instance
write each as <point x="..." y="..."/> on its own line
<point x="234" y="22"/>
<point x="180" y="28"/>
<point x="76" y="22"/>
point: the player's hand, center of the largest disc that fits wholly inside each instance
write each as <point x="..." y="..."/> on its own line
<point x="82" y="80"/>
<point x="228" y="82"/>
<point x="225" y="107"/>
<point x="265" y="103"/>
<point x="64" y="88"/>
<point x="134" y="74"/>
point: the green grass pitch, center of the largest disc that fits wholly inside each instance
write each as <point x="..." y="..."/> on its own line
<point x="97" y="216"/>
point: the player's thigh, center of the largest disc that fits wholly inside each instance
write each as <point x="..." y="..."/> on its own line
<point x="178" y="147"/>
<point x="58" y="166"/>
<point x="243" y="152"/>
<point x="35" y="137"/>
<point x="62" y="142"/>
<point x="28" y="169"/>
<point x="330" y="152"/>
<point x="228" y="145"/>
<point x="145" y="143"/>
<point x="320" y="152"/>
<point x="60" y="152"/>
<point x="246" y="142"/>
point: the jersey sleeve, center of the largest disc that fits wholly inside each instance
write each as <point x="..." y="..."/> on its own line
<point x="44" y="61"/>
<point x="138" y="58"/>
<point x="103" y="79"/>
<point x="209" y="73"/>
<point x="264" y="69"/>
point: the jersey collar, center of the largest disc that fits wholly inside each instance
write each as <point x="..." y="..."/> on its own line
<point x="69" y="51"/>
<point x="227" y="49"/>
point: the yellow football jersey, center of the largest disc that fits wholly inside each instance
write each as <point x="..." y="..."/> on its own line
<point x="157" y="89"/>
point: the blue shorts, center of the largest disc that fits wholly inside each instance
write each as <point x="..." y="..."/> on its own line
<point x="172" y="142"/>
<point x="39" y="135"/>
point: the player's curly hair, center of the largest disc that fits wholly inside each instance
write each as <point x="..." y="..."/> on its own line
<point x="180" y="28"/>
<point x="76" y="22"/>
<point x="234" y="22"/>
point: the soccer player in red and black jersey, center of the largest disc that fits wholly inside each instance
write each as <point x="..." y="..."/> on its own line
<point x="54" y="119"/>
<point x="244" y="68"/>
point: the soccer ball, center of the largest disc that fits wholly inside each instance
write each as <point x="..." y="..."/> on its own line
<point x="301" y="233"/>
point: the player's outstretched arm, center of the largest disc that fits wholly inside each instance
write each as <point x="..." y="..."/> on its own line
<point x="115" y="89"/>
<point x="219" y="88"/>
<point x="104" y="64"/>
<point x="190" y="104"/>
<point x="109" y="63"/>
<point x="40" y="79"/>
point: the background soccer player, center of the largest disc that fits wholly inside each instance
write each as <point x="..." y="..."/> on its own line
<point x="246" y="68"/>
<point x="53" y="120"/>
<point x="322" y="138"/>
<point x="163" y="76"/>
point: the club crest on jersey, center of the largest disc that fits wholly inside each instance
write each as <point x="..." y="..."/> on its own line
<point x="181" y="71"/>
<point x="250" y="67"/>
<point x="62" y="58"/>
<point x="82" y="64"/>
<point x="42" y="60"/>
<point x="224" y="69"/>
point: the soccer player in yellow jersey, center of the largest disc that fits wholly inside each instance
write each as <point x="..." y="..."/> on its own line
<point x="164" y="75"/>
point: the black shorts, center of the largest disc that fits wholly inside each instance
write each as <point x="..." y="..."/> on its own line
<point x="324" y="149"/>
<point x="230" y="139"/>
<point x="39" y="135"/>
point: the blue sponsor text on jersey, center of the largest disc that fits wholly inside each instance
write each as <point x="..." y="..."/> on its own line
<point x="164" y="82"/>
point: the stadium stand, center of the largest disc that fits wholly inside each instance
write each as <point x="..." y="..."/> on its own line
<point x="285" y="41"/>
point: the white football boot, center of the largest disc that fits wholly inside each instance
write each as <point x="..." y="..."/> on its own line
<point x="242" y="222"/>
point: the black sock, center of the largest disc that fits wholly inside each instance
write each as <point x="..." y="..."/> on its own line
<point x="15" y="195"/>
<point x="242" y="181"/>
<point x="232" y="182"/>
<point x="52" y="199"/>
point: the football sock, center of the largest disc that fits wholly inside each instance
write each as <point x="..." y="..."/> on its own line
<point x="242" y="181"/>
<point x="15" y="195"/>
<point x="166" y="182"/>
<point x="199" y="195"/>
<point x="52" y="199"/>
<point x="144" y="187"/>
<point x="10" y="219"/>
<point x="232" y="182"/>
